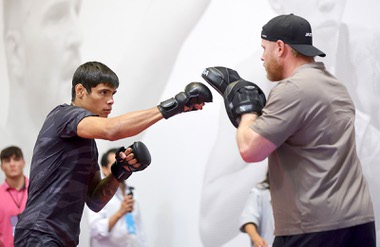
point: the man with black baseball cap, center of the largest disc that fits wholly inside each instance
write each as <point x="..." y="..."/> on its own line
<point x="306" y="129"/>
<point x="294" y="31"/>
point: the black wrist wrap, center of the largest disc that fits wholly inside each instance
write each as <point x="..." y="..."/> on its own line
<point x="119" y="172"/>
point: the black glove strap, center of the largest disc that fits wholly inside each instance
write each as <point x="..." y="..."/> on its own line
<point x="119" y="172"/>
<point x="172" y="106"/>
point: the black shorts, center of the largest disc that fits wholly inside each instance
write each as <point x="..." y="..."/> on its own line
<point x="360" y="235"/>
<point x="31" y="238"/>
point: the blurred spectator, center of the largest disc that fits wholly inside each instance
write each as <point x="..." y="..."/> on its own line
<point x="119" y="223"/>
<point x="257" y="217"/>
<point x="13" y="192"/>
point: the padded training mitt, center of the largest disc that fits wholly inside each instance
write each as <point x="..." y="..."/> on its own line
<point x="220" y="77"/>
<point x="243" y="97"/>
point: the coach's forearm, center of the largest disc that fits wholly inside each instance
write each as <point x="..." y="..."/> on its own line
<point x="244" y="136"/>
<point x="252" y="146"/>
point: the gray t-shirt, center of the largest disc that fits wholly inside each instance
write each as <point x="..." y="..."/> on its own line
<point x="62" y="167"/>
<point x="315" y="175"/>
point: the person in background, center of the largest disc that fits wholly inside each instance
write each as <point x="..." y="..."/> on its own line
<point x="13" y="192"/>
<point x="119" y="223"/>
<point x="257" y="217"/>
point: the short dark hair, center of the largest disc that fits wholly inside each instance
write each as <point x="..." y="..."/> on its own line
<point x="8" y="152"/>
<point x="104" y="160"/>
<point x="91" y="74"/>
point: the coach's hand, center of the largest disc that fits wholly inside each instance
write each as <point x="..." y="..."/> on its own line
<point x="132" y="159"/>
<point x="192" y="98"/>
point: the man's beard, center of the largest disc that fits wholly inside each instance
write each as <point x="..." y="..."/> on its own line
<point x="274" y="70"/>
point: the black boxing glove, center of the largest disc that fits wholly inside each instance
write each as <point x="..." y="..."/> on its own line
<point x="220" y="77"/>
<point x="194" y="93"/>
<point x="141" y="154"/>
<point x="243" y="97"/>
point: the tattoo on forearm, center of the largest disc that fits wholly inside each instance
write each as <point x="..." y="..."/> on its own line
<point x="109" y="189"/>
<point x="104" y="191"/>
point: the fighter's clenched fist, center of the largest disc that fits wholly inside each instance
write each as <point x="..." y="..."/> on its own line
<point x="132" y="159"/>
<point x="192" y="98"/>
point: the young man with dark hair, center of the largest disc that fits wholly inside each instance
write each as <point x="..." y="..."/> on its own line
<point x="13" y="192"/>
<point x="65" y="173"/>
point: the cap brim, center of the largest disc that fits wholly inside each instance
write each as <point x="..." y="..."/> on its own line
<point x="308" y="50"/>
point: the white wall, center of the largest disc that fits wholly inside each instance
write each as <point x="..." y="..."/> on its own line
<point x="170" y="190"/>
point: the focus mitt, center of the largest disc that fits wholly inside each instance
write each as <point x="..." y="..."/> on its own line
<point x="243" y="97"/>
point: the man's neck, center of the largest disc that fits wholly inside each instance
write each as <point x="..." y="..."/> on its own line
<point x="17" y="183"/>
<point x="294" y="63"/>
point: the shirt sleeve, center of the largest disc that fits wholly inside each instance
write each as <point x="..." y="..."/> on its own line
<point x="252" y="212"/>
<point x="68" y="120"/>
<point x="282" y="114"/>
<point x="98" y="223"/>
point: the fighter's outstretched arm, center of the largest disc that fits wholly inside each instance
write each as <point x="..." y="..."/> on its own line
<point x="194" y="96"/>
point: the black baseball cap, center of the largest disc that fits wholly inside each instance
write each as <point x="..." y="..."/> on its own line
<point x="294" y="31"/>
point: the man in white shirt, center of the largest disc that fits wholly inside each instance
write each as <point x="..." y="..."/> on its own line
<point x="119" y="223"/>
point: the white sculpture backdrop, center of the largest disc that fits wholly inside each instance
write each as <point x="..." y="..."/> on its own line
<point x="156" y="48"/>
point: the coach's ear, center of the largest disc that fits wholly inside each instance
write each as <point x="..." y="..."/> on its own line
<point x="277" y="6"/>
<point x="15" y="56"/>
